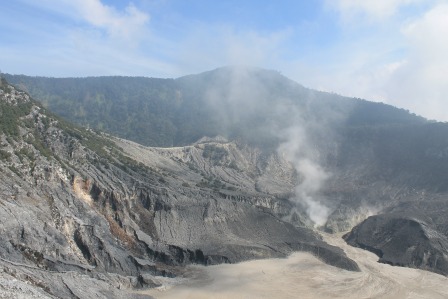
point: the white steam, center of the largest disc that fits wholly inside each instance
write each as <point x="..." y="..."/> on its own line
<point x="299" y="152"/>
<point x="239" y="95"/>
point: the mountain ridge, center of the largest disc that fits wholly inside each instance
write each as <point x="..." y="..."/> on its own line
<point x="77" y="206"/>
<point x="185" y="109"/>
<point x="288" y="159"/>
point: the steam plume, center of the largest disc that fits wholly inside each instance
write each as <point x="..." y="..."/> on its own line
<point x="240" y="95"/>
<point x="297" y="150"/>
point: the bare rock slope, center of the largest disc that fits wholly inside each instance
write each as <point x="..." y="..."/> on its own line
<point x="407" y="235"/>
<point x="84" y="215"/>
<point x="77" y="205"/>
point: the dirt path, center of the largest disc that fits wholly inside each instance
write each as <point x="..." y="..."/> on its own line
<point x="304" y="276"/>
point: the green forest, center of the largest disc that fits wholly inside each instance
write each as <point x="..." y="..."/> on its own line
<point x="252" y="107"/>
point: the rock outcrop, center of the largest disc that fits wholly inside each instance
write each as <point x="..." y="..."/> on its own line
<point x="410" y="235"/>
<point x="82" y="205"/>
<point x="76" y="206"/>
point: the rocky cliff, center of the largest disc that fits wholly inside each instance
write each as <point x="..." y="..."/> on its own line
<point x="78" y="206"/>
<point x="410" y="235"/>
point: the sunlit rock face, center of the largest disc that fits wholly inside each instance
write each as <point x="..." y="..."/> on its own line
<point x="253" y="166"/>
<point x="77" y="205"/>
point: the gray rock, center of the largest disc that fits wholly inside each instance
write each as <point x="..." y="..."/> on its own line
<point x="402" y="241"/>
<point x="84" y="215"/>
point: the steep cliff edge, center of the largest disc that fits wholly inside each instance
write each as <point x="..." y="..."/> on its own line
<point x="409" y="235"/>
<point x="79" y="205"/>
<point x="75" y="206"/>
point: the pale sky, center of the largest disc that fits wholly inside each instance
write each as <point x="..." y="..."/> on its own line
<point x="393" y="51"/>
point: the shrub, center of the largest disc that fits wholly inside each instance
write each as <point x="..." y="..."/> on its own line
<point x="4" y="155"/>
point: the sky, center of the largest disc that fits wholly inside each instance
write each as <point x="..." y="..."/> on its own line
<point x="391" y="51"/>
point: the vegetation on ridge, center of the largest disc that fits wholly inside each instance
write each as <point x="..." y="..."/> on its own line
<point x="168" y="112"/>
<point x="27" y="128"/>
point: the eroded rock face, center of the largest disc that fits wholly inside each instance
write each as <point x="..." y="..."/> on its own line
<point x="75" y="207"/>
<point x="402" y="241"/>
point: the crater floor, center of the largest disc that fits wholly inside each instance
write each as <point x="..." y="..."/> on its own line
<point x="305" y="276"/>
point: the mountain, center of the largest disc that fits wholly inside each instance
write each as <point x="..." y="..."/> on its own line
<point x="249" y="164"/>
<point x="77" y="205"/>
<point x="226" y="101"/>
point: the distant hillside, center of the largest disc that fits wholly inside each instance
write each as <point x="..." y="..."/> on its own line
<point x="239" y="103"/>
<point x="293" y="158"/>
<point x="77" y="206"/>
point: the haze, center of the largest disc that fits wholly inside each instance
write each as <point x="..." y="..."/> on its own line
<point x="303" y="276"/>
<point x="384" y="50"/>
